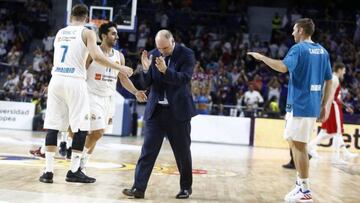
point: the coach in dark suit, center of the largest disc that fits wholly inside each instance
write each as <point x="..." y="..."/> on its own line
<point x="167" y="70"/>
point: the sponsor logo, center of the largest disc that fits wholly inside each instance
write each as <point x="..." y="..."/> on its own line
<point x="93" y="117"/>
<point x="315" y="88"/>
<point x="350" y="140"/>
<point x="97" y="76"/>
<point x="269" y="133"/>
<point x="67" y="32"/>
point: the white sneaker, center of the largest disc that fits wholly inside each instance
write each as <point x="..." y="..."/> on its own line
<point x="292" y="192"/>
<point x="349" y="155"/>
<point x="314" y="154"/>
<point x="301" y="197"/>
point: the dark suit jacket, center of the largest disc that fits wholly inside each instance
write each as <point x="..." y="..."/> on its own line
<point x="176" y="81"/>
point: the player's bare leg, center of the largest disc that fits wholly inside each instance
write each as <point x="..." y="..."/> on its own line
<point x="301" y="161"/>
<point x="90" y="143"/>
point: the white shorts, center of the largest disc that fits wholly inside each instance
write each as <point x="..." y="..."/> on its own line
<point x="67" y="104"/>
<point x="298" y="128"/>
<point x="101" y="111"/>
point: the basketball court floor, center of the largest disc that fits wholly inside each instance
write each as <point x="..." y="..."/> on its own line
<point x="222" y="173"/>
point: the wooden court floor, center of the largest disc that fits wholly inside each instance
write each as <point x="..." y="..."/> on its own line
<point x="222" y="173"/>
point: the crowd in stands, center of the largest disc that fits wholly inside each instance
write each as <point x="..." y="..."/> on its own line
<point x="22" y="79"/>
<point x="225" y="77"/>
<point x="225" y="81"/>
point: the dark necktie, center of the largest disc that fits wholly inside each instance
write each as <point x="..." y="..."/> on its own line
<point x="162" y="85"/>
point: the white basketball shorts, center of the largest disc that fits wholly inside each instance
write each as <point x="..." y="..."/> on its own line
<point x="101" y="111"/>
<point x="298" y="128"/>
<point x="67" y="104"/>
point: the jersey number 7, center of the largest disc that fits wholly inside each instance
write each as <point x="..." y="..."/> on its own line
<point x="65" y="47"/>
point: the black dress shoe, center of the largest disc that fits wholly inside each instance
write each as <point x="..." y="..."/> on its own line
<point x="289" y="165"/>
<point x="184" y="194"/>
<point x="133" y="192"/>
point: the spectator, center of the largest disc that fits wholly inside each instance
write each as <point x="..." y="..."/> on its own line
<point x="13" y="57"/>
<point x="252" y="99"/>
<point x="203" y="101"/>
<point x="274" y="89"/>
<point x="48" y="43"/>
<point x="38" y="60"/>
<point x="272" y="109"/>
<point x="164" y="20"/>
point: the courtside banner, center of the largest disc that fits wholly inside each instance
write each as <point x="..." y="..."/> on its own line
<point x="221" y="129"/>
<point x="269" y="133"/>
<point x="16" y="115"/>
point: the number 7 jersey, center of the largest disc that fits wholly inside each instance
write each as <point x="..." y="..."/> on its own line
<point x="70" y="52"/>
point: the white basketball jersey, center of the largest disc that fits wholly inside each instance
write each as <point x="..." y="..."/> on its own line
<point x="70" y="52"/>
<point x="102" y="80"/>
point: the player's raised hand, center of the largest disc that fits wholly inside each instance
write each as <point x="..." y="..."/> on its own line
<point x="125" y="70"/>
<point x="141" y="96"/>
<point x="256" y="55"/>
<point x="145" y="60"/>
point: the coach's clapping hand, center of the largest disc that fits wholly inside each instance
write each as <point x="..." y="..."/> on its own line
<point x="145" y="60"/>
<point x="127" y="71"/>
<point x="160" y="64"/>
<point x="141" y="96"/>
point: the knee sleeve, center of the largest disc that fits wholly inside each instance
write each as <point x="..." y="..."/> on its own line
<point x="51" y="138"/>
<point x="79" y="140"/>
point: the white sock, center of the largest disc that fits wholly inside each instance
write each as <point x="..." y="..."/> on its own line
<point x="317" y="140"/>
<point x="298" y="180"/>
<point x="342" y="145"/>
<point x="337" y="144"/>
<point x="68" y="142"/>
<point x="63" y="136"/>
<point x="75" y="161"/>
<point x="42" y="148"/>
<point x="85" y="158"/>
<point x="304" y="184"/>
<point x="49" y="161"/>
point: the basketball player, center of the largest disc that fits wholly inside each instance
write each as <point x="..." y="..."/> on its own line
<point x="309" y="67"/>
<point x="102" y="86"/>
<point x="64" y="148"/>
<point x="333" y="126"/>
<point x="68" y="102"/>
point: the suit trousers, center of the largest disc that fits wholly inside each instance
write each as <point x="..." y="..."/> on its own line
<point x="161" y="124"/>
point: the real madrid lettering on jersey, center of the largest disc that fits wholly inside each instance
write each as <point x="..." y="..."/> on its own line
<point x="64" y="70"/>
